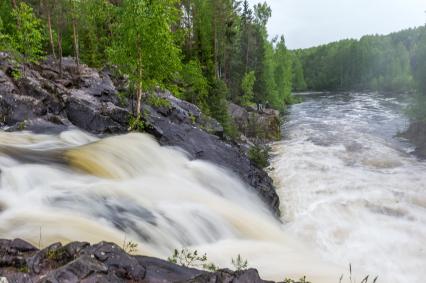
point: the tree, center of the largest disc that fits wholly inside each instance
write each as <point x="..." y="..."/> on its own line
<point x="247" y="86"/>
<point x="27" y="37"/>
<point x="47" y="7"/>
<point x="143" y="46"/>
<point x="195" y="85"/>
<point x="74" y="15"/>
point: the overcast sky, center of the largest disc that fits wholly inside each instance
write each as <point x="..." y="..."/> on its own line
<point x="307" y="23"/>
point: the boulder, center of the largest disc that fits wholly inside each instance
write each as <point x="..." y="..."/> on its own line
<point x="103" y="262"/>
<point x="264" y="125"/>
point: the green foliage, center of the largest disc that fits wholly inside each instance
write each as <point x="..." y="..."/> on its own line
<point x="381" y="63"/>
<point x="95" y="23"/>
<point x="157" y="101"/>
<point x="259" y="155"/>
<point x="187" y="258"/>
<point x="130" y="247"/>
<point x="195" y="84"/>
<point x="136" y="124"/>
<point x="218" y="106"/>
<point x="239" y="263"/>
<point x="143" y="45"/>
<point x="247" y="86"/>
<point x="27" y="37"/>
<point x="417" y="108"/>
<point x="56" y="254"/>
<point x="223" y="43"/>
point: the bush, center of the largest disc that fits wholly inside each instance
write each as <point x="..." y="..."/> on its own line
<point x="259" y="155"/>
<point x="188" y="258"/>
<point x="136" y="124"/>
<point x="239" y="263"/>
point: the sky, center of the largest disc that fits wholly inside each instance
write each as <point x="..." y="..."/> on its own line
<point x="307" y="23"/>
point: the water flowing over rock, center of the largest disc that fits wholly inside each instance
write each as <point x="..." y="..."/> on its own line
<point x="43" y="101"/>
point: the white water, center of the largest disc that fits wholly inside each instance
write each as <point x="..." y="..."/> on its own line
<point x="75" y="187"/>
<point x="348" y="186"/>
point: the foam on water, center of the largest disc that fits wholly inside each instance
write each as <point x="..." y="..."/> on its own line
<point x="76" y="187"/>
<point x="348" y="185"/>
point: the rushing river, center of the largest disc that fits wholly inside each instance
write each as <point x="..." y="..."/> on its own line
<point x="350" y="193"/>
<point x="73" y="186"/>
<point x="349" y="186"/>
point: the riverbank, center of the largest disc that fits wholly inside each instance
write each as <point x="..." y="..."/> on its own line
<point x="104" y="262"/>
<point x="39" y="99"/>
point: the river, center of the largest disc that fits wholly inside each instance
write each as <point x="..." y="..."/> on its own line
<point x="350" y="192"/>
<point x="349" y="186"/>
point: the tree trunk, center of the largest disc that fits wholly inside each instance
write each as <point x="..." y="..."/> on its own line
<point x="247" y="49"/>
<point x="49" y="25"/>
<point x="75" y="39"/>
<point x="60" y="52"/>
<point x="14" y="5"/>
<point x="138" y="100"/>
<point x="76" y="47"/>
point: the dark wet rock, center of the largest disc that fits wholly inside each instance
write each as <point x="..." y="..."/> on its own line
<point x="88" y="113"/>
<point x="161" y="271"/>
<point x="228" y="276"/>
<point x="75" y="271"/>
<point x="103" y="262"/>
<point x="264" y="125"/>
<point x="416" y="134"/>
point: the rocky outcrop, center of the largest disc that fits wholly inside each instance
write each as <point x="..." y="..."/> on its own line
<point x="40" y="99"/>
<point x="104" y="262"/>
<point x="416" y="134"/>
<point x="264" y="125"/>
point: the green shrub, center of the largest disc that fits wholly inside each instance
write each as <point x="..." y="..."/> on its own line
<point x="136" y="124"/>
<point x="239" y="263"/>
<point x="259" y="155"/>
<point x="186" y="257"/>
<point x="130" y="247"/>
<point x="157" y="101"/>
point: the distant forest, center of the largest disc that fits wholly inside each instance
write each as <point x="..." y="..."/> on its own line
<point x="393" y="62"/>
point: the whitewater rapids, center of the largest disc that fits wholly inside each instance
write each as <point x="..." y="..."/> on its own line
<point x="350" y="187"/>
<point x="73" y="186"/>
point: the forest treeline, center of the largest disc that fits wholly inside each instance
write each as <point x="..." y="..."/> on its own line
<point x="375" y="63"/>
<point x="390" y="63"/>
<point x="208" y="52"/>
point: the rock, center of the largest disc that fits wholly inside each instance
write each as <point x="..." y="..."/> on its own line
<point x="90" y="114"/>
<point x="265" y="125"/>
<point x="117" y="261"/>
<point x="228" y="276"/>
<point x="416" y="134"/>
<point x="75" y="271"/>
<point x="161" y="271"/>
<point x="103" y="262"/>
